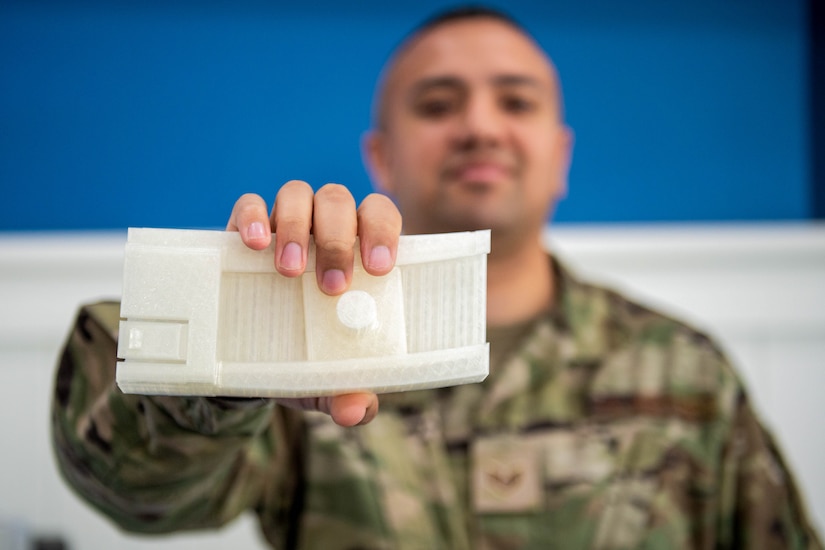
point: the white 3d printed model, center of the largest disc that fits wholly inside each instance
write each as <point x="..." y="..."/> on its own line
<point x="202" y="314"/>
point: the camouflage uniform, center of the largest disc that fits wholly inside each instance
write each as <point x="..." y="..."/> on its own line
<point x="611" y="426"/>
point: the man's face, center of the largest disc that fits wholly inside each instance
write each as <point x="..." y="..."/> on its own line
<point x="471" y="135"/>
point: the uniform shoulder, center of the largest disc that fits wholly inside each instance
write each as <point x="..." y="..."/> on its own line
<point x="656" y="360"/>
<point x="636" y="319"/>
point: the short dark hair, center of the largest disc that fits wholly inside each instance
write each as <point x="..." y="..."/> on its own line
<point x="460" y="13"/>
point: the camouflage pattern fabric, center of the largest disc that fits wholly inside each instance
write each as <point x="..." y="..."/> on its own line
<point x="610" y="427"/>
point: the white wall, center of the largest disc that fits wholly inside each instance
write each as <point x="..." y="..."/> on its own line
<point x="759" y="288"/>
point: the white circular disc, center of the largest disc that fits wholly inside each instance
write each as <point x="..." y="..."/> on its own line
<point x="356" y="309"/>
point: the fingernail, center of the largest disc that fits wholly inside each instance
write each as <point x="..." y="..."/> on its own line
<point x="256" y="231"/>
<point x="380" y="258"/>
<point x="291" y="257"/>
<point x="333" y="280"/>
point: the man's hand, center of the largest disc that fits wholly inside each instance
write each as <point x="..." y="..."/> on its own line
<point x="330" y="215"/>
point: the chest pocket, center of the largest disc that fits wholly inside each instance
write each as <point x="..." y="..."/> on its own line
<point x="589" y="487"/>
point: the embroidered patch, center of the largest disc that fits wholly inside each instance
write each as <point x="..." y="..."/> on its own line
<point x="506" y="475"/>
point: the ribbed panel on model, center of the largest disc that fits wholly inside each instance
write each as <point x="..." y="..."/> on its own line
<point x="272" y="307"/>
<point x="433" y="313"/>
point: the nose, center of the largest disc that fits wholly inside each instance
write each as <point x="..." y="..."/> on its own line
<point x="481" y="122"/>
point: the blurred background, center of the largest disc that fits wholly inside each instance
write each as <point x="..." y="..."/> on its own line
<point x="697" y="181"/>
<point x="160" y="113"/>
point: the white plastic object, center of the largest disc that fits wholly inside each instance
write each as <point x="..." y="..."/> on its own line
<point x="202" y="314"/>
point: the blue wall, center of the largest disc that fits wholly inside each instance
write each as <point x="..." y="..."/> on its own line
<point x="116" y="114"/>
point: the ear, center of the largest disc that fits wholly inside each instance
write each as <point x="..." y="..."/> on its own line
<point x="374" y="153"/>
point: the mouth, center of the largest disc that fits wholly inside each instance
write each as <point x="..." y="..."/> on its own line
<point x="479" y="173"/>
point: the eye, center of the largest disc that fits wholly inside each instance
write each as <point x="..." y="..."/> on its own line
<point x="517" y="104"/>
<point x="434" y="107"/>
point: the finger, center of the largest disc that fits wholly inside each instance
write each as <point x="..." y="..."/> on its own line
<point x="292" y="221"/>
<point x="250" y="218"/>
<point x="353" y="409"/>
<point x="379" y="225"/>
<point x="334" y="226"/>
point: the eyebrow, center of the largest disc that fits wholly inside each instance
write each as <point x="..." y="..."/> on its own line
<point x="436" y="82"/>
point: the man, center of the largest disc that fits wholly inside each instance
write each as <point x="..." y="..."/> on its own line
<point x="602" y="424"/>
